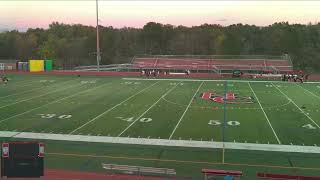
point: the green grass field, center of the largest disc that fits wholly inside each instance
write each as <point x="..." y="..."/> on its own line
<point x="289" y="112"/>
<point x="280" y="113"/>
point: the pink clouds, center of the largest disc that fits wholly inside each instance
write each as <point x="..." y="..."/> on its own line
<point x="24" y="14"/>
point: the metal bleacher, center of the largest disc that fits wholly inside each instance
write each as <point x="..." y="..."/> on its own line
<point x="139" y="170"/>
<point x="214" y="63"/>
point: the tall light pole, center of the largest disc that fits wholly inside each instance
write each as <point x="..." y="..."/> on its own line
<point x="98" y="44"/>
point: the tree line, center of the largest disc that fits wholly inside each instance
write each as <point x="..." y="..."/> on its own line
<point x="74" y="45"/>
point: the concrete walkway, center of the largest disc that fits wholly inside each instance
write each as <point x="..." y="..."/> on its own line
<point x="163" y="142"/>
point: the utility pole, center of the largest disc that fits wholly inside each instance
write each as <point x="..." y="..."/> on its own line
<point x="98" y="44"/>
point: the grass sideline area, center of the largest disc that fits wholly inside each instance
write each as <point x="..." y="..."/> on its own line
<point x="278" y="113"/>
<point x="188" y="162"/>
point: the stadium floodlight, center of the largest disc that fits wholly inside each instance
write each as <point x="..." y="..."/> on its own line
<point x="98" y="44"/>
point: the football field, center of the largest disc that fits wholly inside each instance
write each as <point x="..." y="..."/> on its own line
<point x="258" y="112"/>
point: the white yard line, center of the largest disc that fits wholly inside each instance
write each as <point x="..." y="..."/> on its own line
<point x="175" y="128"/>
<point x="212" y="80"/>
<point x="17" y="102"/>
<point x="58" y="100"/>
<point x="164" y="95"/>
<point x="163" y="142"/>
<point x="110" y="109"/>
<point x="297" y="106"/>
<point x="265" y="115"/>
<point x="309" y="91"/>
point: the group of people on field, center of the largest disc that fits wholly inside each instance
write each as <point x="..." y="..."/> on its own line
<point x="295" y="77"/>
<point x="4" y="79"/>
<point x="150" y="73"/>
<point x="155" y="73"/>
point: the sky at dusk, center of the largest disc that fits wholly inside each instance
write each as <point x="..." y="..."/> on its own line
<point x="24" y="14"/>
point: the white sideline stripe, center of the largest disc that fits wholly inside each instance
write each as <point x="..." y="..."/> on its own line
<point x="105" y="112"/>
<point x="297" y="106"/>
<point x="58" y="100"/>
<point x="164" y="95"/>
<point x="309" y="91"/>
<point x="275" y="134"/>
<point x="163" y="142"/>
<point x="17" y="102"/>
<point x="175" y="128"/>
<point x="213" y="80"/>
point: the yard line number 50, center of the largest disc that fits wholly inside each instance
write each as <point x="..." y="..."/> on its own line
<point x="218" y="123"/>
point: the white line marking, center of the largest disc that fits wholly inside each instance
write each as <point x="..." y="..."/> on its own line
<point x="21" y="92"/>
<point x="265" y="115"/>
<point x="58" y="100"/>
<point x="297" y="106"/>
<point x="175" y="128"/>
<point x="105" y="112"/>
<point x="25" y="84"/>
<point x="17" y="102"/>
<point x="164" y="95"/>
<point x="212" y="80"/>
<point x="308" y="91"/>
<point x="32" y="89"/>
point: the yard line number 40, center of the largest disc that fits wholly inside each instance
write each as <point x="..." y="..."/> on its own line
<point x="131" y="119"/>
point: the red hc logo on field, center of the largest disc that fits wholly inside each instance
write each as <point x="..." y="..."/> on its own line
<point x="229" y="98"/>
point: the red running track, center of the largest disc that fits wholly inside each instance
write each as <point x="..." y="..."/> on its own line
<point x="54" y="174"/>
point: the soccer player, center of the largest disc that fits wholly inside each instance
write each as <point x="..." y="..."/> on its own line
<point x="4" y="79"/>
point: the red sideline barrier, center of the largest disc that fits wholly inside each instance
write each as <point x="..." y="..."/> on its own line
<point x="55" y="174"/>
<point x="221" y="172"/>
<point x="285" y="177"/>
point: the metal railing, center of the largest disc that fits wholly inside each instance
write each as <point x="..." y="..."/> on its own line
<point x="138" y="169"/>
